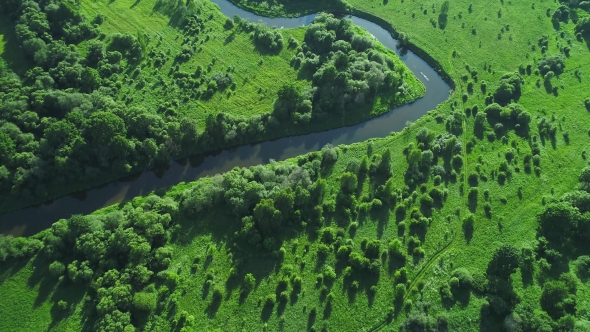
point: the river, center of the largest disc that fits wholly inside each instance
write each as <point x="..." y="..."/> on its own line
<point x="34" y="219"/>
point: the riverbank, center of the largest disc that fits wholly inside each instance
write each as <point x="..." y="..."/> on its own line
<point x="39" y="217"/>
<point x="236" y="116"/>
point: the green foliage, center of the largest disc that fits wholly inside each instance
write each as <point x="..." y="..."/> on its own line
<point x="463" y="277"/>
<point x="144" y="301"/>
<point x="557" y="300"/>
<point x="509" y="89"/>
<point x="57" y="269"/>
<point x="271" y="39"/>
<point x="504" y="262"/>
<point x="348" y="182"/>
<point x="583" y="267"/>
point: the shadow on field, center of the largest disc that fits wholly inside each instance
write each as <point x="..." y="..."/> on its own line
<point x="10" y="268"/>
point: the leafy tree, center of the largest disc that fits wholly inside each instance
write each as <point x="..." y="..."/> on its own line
<point x="267" y="217"/>
<point x="509" y="88"/>
<point x="558" y="222"/>
<point x="504" y="262"/>
<point x="102" y="127"/>
<point x="144" y="301"/>
<point x="7" y="148"/>
<point x="348" y="182"/>
<point x="556" y="299"/>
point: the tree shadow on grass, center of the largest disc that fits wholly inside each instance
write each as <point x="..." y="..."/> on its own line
<point x="311" y="318"/>
<point x="41" y="277"/>
<point x="10" y="268"/>
<point x="72" y="295"/>
<point x="212" y="308"/>
<point x="468" y="232"/>
<point x="266" y="312"/>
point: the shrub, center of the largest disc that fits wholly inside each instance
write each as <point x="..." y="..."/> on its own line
<point x="353" y="166"/>
<point x="57" y="269"/>
<point x="556" y="299"/>
<point x="552" y="63"/>
<point x="144" y="301"/>
<point x="372" y="249"/>
<point x="329" y="154"/>
<point x="348" y="182"/>
<point x="464" y="278"/>
<point x="329" y="274"/>
<point x="268" y="38"/>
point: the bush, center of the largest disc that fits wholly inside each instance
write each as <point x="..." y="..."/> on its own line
<point x="271" y="39"/>
<point x="348" y="182"/>
<point x="57" y="269"/>
<point x="144" y="301"/>
<point x="464" y="278"/>
<point x="329" y="154"/>
<point x="556" y="299"/>
<point x="552" y="63"/>
<point x="509" y="88"/>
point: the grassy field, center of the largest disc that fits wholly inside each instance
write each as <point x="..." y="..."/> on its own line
<point x="257" y="73"/>
<point x="258" y="76"/>
<point x="477" y="37"/>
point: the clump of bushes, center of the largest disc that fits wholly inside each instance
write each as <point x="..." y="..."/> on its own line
<point x="271" y="39"/>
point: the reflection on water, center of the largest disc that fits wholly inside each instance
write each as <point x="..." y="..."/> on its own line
<point x="34" y="219"/>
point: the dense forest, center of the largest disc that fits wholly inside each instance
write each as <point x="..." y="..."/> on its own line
<point x="69" y="122"/>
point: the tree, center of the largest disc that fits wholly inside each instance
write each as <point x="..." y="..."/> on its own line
<point x="7" y="148"/>
<point x="504" y="261"/>
<point x="57" y="269"/>
<point x="385" y="165"/>
<point x="558" y="222"/>
<point x="267" y="217"/>
<point x="348" y="182"/>
<point x="284" y="201"/>
<point x="103" y="126"/>
<point x="144" y="301"/>
<point x="556" y="299"/>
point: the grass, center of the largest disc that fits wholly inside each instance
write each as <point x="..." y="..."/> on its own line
<point x="512" y="220"/>
<point x="258" y="74"/>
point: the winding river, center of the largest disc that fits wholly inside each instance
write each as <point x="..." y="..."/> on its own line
<point x="34" y="219"/>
